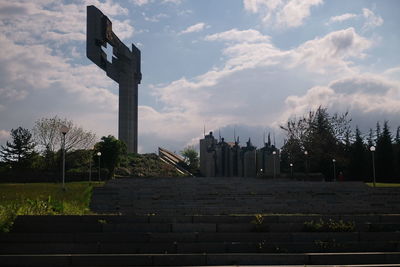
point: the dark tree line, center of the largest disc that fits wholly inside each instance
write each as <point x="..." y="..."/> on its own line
<point x="326" y="137"/>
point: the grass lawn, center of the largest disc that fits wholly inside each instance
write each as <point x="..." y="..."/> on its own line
<point x="43" y="199"/>
<point x="384" y="184"/>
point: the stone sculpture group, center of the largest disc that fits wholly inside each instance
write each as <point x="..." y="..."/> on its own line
<point x="229" y="159"/>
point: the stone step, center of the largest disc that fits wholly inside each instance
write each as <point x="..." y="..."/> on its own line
<point x="235" y="195"/>
<point x="376" y="218"/>
<point x="196" y="247"/>
<point x="220" y="224"/>
<point x="164" y="227"/>
<point x="143" y="237"/>
<point x="201" y="259"/>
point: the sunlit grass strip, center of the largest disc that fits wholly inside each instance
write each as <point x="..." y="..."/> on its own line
<point x="384" y="184"/>
<point x="43" y="199"/>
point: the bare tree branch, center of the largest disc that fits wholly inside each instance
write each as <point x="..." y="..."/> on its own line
<point x="48" y="136"/>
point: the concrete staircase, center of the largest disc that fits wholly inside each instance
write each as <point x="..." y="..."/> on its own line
<point x="198" y="241"/>
<point x="238" y="195"/>
<point x="211" y="222"/>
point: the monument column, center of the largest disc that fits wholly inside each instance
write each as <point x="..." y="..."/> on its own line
<point x="124" y="69"/>
<point x="128" y="113"/>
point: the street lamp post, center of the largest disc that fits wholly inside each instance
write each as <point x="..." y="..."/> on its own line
<point x="64" y="130"/>
<point x="90" y="166"/>
<point x="291" y="170"/>
<point x="372" y="149"/>
<point x="334" y="169"/>
<point x="274" y="155"/>
<point x="306" y="155"/>
<point x="99" y="154"/>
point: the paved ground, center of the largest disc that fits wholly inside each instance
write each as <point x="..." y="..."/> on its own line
<point x="218" y="196"/>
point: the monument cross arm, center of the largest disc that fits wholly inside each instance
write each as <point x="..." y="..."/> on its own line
<point x="124" y="69"/>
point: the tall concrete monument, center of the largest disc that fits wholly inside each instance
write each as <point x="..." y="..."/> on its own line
<point x="124" y="69"/>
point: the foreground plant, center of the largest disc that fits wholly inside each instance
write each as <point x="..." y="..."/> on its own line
<point x="43" y="199"/>
<point x="329" y="226"/>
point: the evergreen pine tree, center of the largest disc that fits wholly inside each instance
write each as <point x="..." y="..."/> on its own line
<point x="384" y="154"/>
<point x="396" y="150"/>
<point x="370" y="139"/>
<point x="378" y="131"/>
<point x="20" y="151"/>
<point x="358" y="158"/>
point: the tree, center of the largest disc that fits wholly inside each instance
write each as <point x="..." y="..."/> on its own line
<point x="47" y="135"/>
<point x="321" y="143"/>
<point x="113" y="152"/>
<point x="358" y="154"/>
<point x="397" y="138"/>
<point x="378" y="131"/>
<point x="292" y="152"/>
<point x="370" y="139"/>
<point x="322" y="135"/>
<point x="384" y="154"/>
<point x="20" y="152"/>
<point x="396" y="150"/>
<point x="191" y="158"/>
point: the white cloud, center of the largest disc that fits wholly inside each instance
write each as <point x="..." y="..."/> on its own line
<point x="185" y="12"/>
<point x="294" y="12"/>
<point x="332" y="52"/>
<point x="364" y="96"/>
<point x="194" y="28"/>
<point x="249" y="87"/>
<point x="250" y="80"/>
<point x="12" y="94"/>
<point x="246" y="36"/>
<point x="42" y="71"/>
<point x="176" y="2"/>
<point x="282" y="13"/>
<point x="4" y="135"/>
<point x="108" y="7"/>
<point x="257" y="6"/>
<point x="140" y="2"/>
<point x="145" y="2"/>
<point x="393" y="73"/>
<point x="39" y="78"/>
<point x="372" y="20"/>
<point x="342" y="18"/>
<point x="123" y="29"/>
<point x="155" y="18"/>
<point x="39" y="22"/>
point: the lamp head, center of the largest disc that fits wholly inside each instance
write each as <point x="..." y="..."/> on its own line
<point x="372" y="148"/>
<point x="64" y="129"/>
<point x="99" y="154"/>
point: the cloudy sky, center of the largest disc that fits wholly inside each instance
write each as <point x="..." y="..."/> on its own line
<point x="247" y="65"/>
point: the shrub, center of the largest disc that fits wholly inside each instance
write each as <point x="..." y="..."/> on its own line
<point x="7" y="217"/>
<point x="329" y="226"/>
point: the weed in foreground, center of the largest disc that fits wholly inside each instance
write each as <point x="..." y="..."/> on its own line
<point x="329" y="226"/>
